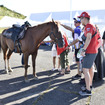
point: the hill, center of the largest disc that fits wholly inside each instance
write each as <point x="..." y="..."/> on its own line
<point x="7" y="12"/>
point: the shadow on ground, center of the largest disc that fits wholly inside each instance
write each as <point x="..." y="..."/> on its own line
<point x="49" y="89"/>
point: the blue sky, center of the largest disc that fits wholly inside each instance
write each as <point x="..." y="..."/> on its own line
<point x="38" y="6"/>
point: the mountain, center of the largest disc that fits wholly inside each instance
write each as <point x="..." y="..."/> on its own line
<point x="7" y="12"/>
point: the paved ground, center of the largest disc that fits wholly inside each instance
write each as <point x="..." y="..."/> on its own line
<point x="49" y="89"/>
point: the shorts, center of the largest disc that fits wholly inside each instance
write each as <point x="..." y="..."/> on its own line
<point x="88" y="60"/>
<point x="54" y="53"/>
<point x="76" y="51"/>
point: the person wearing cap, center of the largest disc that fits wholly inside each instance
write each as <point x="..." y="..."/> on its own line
<point x="89" y="52"/>
<point x="76" y="33"/>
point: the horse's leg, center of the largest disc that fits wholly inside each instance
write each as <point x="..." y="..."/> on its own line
<point x="8" y="57"/>
<point x="4" y="48"/>
<point x="33" y="64"/>
<point x="26" y="67"/>
<point x="5" y="58"/>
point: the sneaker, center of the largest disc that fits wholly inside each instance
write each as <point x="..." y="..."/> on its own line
<point x="82" y="81"/>
<point x="53" y="69"/>
<point x="59" y="69"/>
<point x="76" y="77"/>
<point x="83" y="88"/>
<point x="85" y="93"/>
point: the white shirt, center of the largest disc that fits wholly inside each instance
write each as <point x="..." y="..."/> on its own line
<point x="80" y="37"/>
<point x="76" y="37"/>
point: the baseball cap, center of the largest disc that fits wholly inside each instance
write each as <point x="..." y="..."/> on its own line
<point x="77" y="20"/>
<point x="84" y="14"/>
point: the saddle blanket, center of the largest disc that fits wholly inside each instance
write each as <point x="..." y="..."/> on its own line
<point x="14" y="33"/>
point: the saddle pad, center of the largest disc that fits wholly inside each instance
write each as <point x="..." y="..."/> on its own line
<point x="7" y="33"/>
<point x="14" y="33"/>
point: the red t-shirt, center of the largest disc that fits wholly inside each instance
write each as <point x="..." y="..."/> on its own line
<point x="60" y="50"/>
<point x="94" y="44"/>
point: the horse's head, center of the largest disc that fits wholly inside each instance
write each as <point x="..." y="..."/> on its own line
<point x="55" y="34"/>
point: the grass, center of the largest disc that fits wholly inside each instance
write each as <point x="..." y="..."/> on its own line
<point x="1" y="17"/>
<point x="7" y="12"/>
<point x="4" y="11"/>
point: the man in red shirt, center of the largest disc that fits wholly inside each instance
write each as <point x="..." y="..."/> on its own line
<point x="89" y="52"/>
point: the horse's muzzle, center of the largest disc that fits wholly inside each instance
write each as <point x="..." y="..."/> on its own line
<point x="60" y="45"/>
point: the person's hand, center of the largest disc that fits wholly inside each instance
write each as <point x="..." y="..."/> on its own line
<point x="68" y="47"/>
<point x="83" y="52"/>
<point x="42" y="42"/>
<point x="58" y="22"/>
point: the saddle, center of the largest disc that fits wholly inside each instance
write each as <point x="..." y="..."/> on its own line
<point x="16" y="33"/>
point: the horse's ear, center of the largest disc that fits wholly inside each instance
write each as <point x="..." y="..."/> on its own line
<point x="52" y="20"/>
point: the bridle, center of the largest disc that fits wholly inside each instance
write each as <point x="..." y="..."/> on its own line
<point x="52" y="33"/>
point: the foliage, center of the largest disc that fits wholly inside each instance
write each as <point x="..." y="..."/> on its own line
<point x="7" y="12"/>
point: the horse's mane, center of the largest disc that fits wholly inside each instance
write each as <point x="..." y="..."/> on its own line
<point x="43" y="24"/>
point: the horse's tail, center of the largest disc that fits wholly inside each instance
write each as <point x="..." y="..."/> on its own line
<point x="1" y="39"/>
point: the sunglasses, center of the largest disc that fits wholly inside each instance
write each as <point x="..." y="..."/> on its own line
<point x="81" y="18"/>
<point x="76" y="22"/>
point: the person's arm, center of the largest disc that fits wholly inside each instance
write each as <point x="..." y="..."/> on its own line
<point x="77" y="40"/>
<point x="103" y="45"/>
<point x="87" y="42"/>
<point x="74" y="42"/>
<point x="67" y="27"/>
<point x="46" y="41"/>
<point x="88" y="39"/>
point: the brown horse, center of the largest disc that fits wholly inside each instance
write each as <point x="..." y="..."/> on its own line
<point x="30" y="43"/>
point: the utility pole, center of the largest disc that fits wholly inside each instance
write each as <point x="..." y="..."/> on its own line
<point x="71" y="13"/>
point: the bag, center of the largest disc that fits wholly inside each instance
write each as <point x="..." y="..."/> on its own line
<point x="84" y="37"/>
<point x="79" y="53"/>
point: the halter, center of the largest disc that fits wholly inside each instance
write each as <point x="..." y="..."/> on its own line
<point x="52" y="33"/>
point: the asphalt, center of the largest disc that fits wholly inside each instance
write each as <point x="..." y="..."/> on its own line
<point x="49" y="89"/>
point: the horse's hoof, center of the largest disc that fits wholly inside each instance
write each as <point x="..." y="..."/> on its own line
<point x="10" y="70"/>
<point x="6" y="71"/>
<point x="27" y="80"/>
<point x="35" y="78"/>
